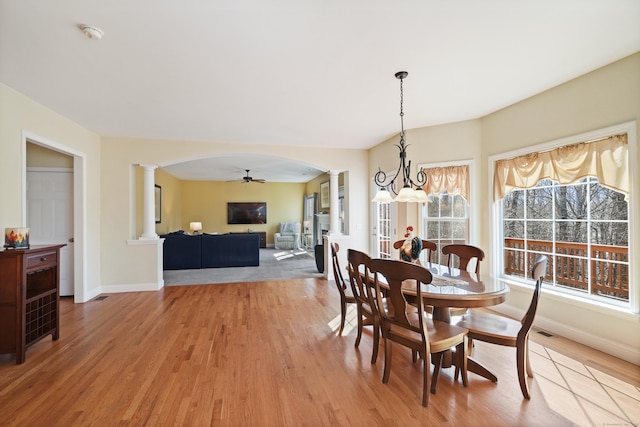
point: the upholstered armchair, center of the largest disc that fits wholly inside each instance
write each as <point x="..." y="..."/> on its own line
<point x="288" y="237"/>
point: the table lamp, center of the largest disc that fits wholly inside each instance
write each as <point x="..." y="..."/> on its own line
<point x="195" y="227"/>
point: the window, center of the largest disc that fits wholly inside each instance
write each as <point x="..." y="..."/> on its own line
<point x="582" y="227"/>
<point x="569" y="203"/>
<point x="445" y="219"/>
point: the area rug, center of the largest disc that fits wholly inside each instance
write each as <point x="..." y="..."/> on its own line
<point x="274" y="265"/>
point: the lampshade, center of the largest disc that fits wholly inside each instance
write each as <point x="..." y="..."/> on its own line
<point x="195" y="226"/>
<point x="406" y="195"/>
<point x="421" y="196"/>
<point x="383" y="196"/>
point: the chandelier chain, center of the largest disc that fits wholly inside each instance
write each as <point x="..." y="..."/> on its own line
<point x="401" y="109"/>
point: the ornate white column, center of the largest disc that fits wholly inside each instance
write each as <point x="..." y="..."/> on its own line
<point x="149" y="223"/>
<point x="334" y="212"/>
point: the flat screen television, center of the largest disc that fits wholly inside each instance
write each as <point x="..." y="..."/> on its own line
<point x="247" y="213"/>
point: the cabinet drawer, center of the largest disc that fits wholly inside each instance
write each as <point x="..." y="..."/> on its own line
<point x="41" y="260"/>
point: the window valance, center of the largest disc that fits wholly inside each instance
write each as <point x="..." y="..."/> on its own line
<point x="453" y="179"/>
<point x="607" y="159"/>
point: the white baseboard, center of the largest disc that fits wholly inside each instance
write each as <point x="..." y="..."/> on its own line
<point x="134" y="287"/>
<point x="614" y="348"/>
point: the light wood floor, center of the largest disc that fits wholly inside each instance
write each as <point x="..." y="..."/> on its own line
<point x="267" y="354"/>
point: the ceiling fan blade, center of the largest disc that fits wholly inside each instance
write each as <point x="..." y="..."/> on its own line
<point x="261" y="181"/>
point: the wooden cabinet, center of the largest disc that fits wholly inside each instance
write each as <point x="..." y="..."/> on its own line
<point x="29" y="297"/>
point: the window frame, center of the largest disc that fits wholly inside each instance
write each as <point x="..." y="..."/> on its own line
<point x="496" y="264"/>
<point x="472" y="233"/>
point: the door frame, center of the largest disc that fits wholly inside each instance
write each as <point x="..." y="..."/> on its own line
<point x="79" y="206"/>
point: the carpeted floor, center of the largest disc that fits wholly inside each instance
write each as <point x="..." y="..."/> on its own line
<point x="274" y="265"/>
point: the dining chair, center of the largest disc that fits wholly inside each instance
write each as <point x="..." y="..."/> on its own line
<point x="500" y="330"/>
<point x="360" y="280"/>
<point x="465" y="253"/>
<point x="345" y="297"/>
<point x="413" y="329"/>
<point x="430" y="247"/>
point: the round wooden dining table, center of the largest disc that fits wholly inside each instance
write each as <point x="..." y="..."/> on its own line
<point x="454" y="288"/>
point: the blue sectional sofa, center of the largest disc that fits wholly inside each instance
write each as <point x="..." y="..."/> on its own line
<point x="185" y="251"/>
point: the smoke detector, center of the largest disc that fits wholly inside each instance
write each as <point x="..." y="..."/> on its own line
<point x="92" y="32"/>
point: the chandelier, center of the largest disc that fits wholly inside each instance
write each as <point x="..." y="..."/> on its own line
<point x="411" y="190"/>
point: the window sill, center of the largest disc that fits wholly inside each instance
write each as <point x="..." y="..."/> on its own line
<point x="582" y="303"/>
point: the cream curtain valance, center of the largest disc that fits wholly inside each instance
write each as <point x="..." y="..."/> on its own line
<point x="607" y="159"/>
<point x="453" y="179"/>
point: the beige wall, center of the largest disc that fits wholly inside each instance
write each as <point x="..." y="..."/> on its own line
<point x="39" y="156"/>
<point x="120" y="160"/>
<point x="603" y="98"/>
<point x="207" y="202"/>
<point x="600" y="99"/>
<point x="434" y="145"/>
<point x="22" y="118"/>
<point x="171" y="201"/>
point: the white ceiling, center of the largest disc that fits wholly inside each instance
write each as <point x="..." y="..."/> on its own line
<point x="299" y="72"/>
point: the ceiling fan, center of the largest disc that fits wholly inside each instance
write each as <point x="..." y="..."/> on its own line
<point x="247" y="179"/>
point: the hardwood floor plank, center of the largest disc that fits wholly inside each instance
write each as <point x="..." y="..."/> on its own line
<point x="264" y="353"/>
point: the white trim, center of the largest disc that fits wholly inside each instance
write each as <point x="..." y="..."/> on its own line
<point x="133" y="287"/>
<point x="582" y="335"/>
<point x="47" y="169"/>
<point x="496" y="232"/>
<point x="141" y="242"/>
<point x="627" y="127"/>
<point x="551" y="293"/>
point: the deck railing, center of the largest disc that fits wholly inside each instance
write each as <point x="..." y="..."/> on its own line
<point x="609" y="265"/>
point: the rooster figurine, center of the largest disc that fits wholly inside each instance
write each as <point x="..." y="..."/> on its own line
<point x="410" y="250"/>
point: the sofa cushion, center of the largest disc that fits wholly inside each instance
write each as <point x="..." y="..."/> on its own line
<point x="181" y="251"/>
<point x="230" y="250"/>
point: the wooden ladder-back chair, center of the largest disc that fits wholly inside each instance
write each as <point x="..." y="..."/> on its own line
<point x="413" y="329"/>
<point x="465" y="253"/>
<point x="362" y="292"/>
<point x="428" y="246"/>
<point x="345" y="296"/>
<point x="500" y="330"/>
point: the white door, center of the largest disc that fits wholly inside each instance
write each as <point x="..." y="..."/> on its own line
<point x="384" y="221"/>
<point x="50" y="217"/>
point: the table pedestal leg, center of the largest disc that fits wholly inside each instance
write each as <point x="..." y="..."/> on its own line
<point x="477" y="368"/>
<point x="442" y="314"/>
